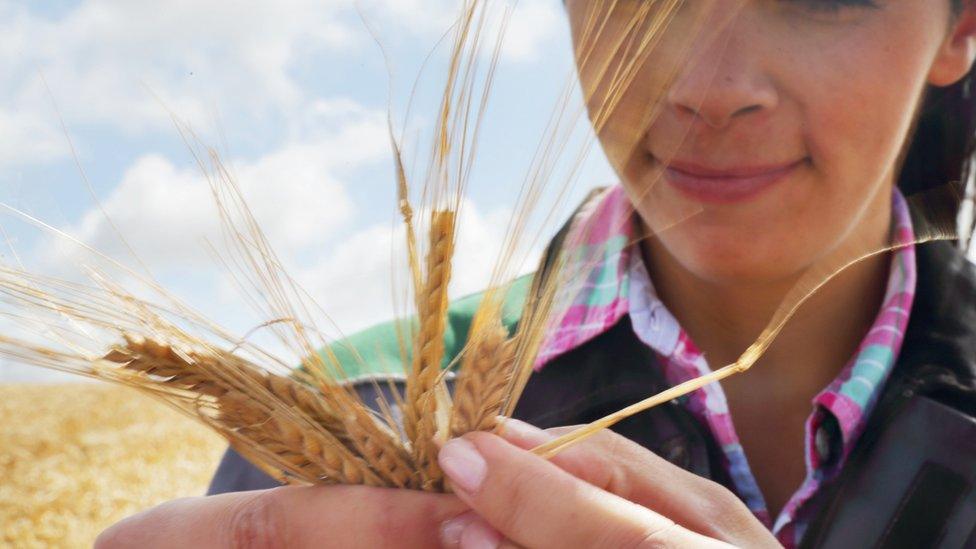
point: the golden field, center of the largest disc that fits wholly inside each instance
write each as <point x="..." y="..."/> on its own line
<point x="75" y="458"/>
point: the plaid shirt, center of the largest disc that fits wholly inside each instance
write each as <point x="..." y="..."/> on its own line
<point x="609" y="280"/>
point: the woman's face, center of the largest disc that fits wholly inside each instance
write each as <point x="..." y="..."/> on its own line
<point x="757" y="136"/>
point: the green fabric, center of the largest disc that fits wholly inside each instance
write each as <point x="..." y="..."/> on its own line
<point x="377" y="350"/>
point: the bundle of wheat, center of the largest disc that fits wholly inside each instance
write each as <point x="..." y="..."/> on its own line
<point x="306" y="425"/>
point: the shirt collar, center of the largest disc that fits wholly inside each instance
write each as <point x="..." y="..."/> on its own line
<point x="594" y="294"/>
<point x="854" y="392"/>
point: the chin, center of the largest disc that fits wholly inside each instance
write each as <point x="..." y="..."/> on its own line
<point x="738" y="261"/>
<point x="761" y="242"/>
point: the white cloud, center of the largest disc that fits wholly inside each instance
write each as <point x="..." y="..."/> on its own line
<point x="101" y="57"/>
<point x="296" y="193"/>
<point x="301" y="201"/>
<point x="533" y="24"/>
<point x="27" y="138"/>
<point x="106" y="61"/>
<point x="533" y="21"/>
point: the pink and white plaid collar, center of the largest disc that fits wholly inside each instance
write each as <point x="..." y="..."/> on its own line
<point x="594" y="295"/>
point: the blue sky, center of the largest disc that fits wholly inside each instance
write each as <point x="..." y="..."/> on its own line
<point x="294" y="94"/>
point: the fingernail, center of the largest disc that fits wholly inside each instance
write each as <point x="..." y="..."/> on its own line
<point x="514" y="429"/>
<point x="479" y="535"/>
<point x="451" y="530"/>
<point x="461" y="461"/>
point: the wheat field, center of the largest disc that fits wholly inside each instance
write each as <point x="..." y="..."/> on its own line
<point x="74" y="458"/>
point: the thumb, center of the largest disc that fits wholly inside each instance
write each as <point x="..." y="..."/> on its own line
<point x="536" y="504"/>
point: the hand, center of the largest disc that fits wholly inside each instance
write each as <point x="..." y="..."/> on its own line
<point x="319" y="516"/>
<point x="604" y="492"/>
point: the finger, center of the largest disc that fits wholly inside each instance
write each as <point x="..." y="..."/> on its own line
<point x="623" y="467"/>
<point x="606" y="459"/>
<point x="341" y="516"/>
<point x="581" y="460"/>
<point x="468" y="531"/>
<point x="536" y="504"/>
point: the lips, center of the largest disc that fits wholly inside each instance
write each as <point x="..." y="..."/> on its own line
<point x="726" y="185"/>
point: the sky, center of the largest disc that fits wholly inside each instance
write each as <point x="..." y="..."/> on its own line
<point x="294" y="95"/>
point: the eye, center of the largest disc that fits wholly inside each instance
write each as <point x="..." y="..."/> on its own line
<point x="832" y="6"/>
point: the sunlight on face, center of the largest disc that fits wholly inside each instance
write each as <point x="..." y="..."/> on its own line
<point x="771" y="129"/>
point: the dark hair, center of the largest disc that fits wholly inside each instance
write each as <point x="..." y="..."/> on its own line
<point x="944" y="143"/>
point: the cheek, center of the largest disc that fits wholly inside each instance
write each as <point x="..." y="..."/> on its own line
<point x="857" y="116"/>
<point x="857" y="111"/>
<point x="624" y="85"/>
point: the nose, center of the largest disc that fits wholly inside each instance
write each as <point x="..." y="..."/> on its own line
<point x="724" y="79"/>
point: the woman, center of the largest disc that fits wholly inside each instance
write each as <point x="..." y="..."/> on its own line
<point x="783" y="135"/>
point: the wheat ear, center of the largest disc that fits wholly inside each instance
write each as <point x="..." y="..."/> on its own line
<point x="158" y="359"/>
<point x="355" y="427"/>
<point x="297" y="443"/>
<point x="484" y="376"/>
<point x="378" y="445"/>
<point x="420" y="413"/>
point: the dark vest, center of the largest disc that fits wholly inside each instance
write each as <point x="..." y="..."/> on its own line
<point x="909" y="480"/>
